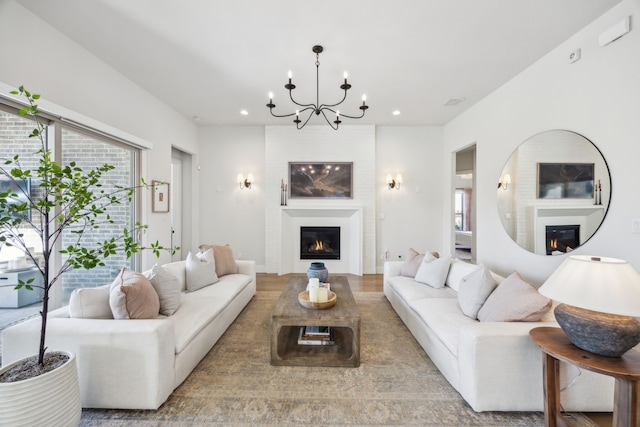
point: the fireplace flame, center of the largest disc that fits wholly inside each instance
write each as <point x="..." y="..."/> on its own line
<point x="553" y="243"/>
<point x="319" y="245"/>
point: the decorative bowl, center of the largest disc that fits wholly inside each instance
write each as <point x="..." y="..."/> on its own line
<point x="303" y="298"/>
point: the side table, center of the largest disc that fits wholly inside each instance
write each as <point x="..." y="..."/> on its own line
<point x="626" y="371"/>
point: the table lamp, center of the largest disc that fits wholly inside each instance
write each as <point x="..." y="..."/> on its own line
<point x="600" y="300"/>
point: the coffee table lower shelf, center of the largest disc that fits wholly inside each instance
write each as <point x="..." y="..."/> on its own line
<point x="289" y="353"/>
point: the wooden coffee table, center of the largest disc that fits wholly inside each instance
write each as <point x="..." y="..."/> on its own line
<point x="343" y="318"/>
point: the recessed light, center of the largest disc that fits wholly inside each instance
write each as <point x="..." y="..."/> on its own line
<point x="396" y="112"/>
<point x="244" y="112"/>
<point x="196" y="118"/>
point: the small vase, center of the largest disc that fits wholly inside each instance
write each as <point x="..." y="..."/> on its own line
<point x="318" y="270"/>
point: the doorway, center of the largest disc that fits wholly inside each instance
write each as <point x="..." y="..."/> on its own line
<point x="464" y="217"/>
<point x="181" y="203"/>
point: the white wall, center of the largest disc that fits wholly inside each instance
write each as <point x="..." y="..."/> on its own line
<point x="47" y="62"/>
<point x="412" y="215"/>
<point x="598" y="97"/>
<point x="409" y="217"/>
<point x="230" y="215"/>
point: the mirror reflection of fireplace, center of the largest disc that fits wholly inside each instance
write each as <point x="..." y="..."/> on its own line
<point x="319" y="242"/>
<point x="562" y="238"/>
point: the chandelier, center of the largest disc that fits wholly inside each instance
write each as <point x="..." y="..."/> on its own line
<point x="318" y="108"/>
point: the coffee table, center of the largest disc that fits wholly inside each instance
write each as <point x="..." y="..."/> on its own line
<point x="343" y="318"/>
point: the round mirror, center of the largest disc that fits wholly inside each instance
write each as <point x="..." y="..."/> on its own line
<point x="554" y="192"/>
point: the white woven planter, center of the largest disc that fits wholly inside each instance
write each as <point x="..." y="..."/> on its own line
<point x="52" y="399"/>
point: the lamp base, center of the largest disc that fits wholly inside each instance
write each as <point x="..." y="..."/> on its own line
<point x="604" y="334"/>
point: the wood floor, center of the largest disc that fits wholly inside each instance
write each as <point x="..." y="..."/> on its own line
<point x="373" y="283"/>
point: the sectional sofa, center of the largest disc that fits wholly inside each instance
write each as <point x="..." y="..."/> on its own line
<point x="494" y="365"/>
<point x="136" y="364"/>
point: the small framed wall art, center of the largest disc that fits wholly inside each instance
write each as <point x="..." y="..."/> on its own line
<point x="160" y="191"/>
<point x="309" y="180"/>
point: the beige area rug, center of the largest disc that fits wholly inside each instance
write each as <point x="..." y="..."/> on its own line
<point x="235" y="385"/>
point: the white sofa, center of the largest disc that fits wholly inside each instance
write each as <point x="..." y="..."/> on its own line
<point x="495" y="366"/>
<point x="136" y="364"/>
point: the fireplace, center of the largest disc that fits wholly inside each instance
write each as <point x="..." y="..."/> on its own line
<point x="319" y="242"/>
<point x="561" y="237"/>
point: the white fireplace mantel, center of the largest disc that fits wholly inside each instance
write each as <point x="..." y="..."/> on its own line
<point x="348" y="218"/>
<point x="589" y="217"/>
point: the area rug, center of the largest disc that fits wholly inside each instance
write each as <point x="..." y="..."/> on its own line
<point x="235" y="385"/>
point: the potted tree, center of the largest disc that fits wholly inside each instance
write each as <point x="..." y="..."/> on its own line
<point x="67" y="199"/>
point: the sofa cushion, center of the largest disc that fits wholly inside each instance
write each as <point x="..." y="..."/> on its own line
<point x="90" y="303"/>
<point x="198" y="309"/>
<point x="474" y="290"/>
<point x="410" y="290"/>
<point x="132" y="297"/>
<point x="514" y="300"/>
<point x="178" y="269"/>
<point x="443" y="316"/>
<point x="433" y="271"/>
<point x="224" y="260"/>
<point x="457" y="271"/>
<point x="201" y="270"/>
<point x="167" y="287"/>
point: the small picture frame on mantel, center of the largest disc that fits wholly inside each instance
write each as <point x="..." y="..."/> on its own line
<point x="160" y="192"/>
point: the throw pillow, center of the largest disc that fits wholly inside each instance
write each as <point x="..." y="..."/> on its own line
<point x="132" y="297"/>
<point x="411" y="265"/>
<point x="433" y="271"/>
<point x="474" y="290"/>
<point x="200" y="270"/>
<point x="223" y="256"/>
<point x="90" y="303"/>
<point x="514" y="301"/>
<point x="167" y="287"/>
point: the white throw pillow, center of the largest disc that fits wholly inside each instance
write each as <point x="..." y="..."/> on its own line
<point x="433" y="271"/>
<point x="90" y="303"/>
<point x="167" y="287"/>
<point x="474" y="290"/>
<point x="201" y="270"/>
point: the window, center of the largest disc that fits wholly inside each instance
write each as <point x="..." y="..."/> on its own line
<point x="87" y="149"/>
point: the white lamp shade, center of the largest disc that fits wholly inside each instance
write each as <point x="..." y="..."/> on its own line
<point x="399" y="179"/>
<point x="607" y="285"/>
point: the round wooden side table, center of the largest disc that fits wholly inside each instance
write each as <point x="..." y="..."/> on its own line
<point x="626" y="371"/>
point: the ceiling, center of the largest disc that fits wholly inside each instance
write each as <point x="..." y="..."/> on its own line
<point x="214" y="58"/>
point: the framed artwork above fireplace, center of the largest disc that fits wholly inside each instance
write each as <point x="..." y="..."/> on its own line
<point x="313" y="180"/>
<point x="565" y="180"/>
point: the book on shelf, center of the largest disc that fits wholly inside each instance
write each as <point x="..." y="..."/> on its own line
<point x="311" y="339"/>
<point x="317" y="330"/>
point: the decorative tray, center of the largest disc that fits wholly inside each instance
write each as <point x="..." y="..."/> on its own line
<point x="303" y="298"/>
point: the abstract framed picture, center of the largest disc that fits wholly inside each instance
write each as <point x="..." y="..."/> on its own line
<point x="316" y="180"/>
<point x="565" y="180"/>
<point x="160" y="192"/>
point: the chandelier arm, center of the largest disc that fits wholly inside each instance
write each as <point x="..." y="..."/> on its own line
<point x="292" y="114"/>
<point x="314" y="106"/>
<point x="329" y="121"/>
<point x="306" y="121"/>
<point x="323" y="106"/>
<point x="353" y="117"/>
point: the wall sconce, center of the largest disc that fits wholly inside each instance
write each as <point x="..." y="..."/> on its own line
<point x="504" y="181"/>
<point x="245" y="182"/>
<point x="394" y="182"/>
